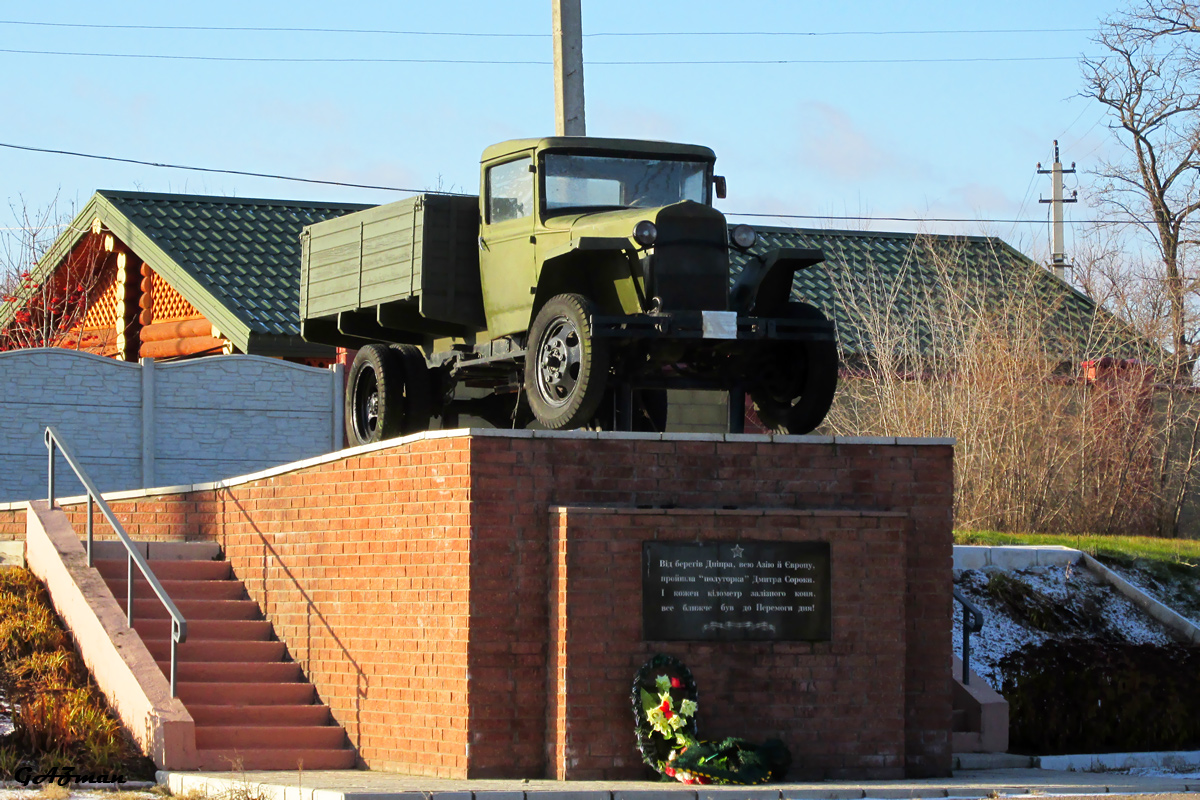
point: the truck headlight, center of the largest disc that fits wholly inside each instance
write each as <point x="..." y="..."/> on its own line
<point x="744" y="236"/>
<point x="645" y="233"/>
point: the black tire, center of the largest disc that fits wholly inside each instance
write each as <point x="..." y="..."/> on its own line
<point x="373" y="393"/>
<point x="418" y="392"/>
<point x="566" y="368"/>
<point x="799" y="383"/>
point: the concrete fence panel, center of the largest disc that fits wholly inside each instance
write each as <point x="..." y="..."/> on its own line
<point x="153" y="424"/>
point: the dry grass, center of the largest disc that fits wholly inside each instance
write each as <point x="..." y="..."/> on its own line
<point x="59" y="718"/>
<point x="1039" y="447"/>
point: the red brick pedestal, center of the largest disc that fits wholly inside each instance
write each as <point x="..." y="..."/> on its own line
<point x="468" y="603"/>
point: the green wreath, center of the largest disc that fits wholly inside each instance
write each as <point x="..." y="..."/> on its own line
<point x="664" y="711"/>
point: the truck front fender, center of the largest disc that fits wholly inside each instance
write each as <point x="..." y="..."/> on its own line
<point x="765" y="284"/>
<point x="596" y="267"/>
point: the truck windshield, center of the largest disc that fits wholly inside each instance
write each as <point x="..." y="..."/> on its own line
<point x="579" y="181"/>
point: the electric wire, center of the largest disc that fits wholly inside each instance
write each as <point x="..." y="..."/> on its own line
<point x="409" y="190"/>
<point x="532" y="62"/>
<point x="505" y="35"/>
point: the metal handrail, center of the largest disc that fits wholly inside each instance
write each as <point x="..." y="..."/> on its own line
<point x="178" y="623"/>
<point x="971" y="612"/>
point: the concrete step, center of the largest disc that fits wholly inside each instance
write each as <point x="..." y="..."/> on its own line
<point x="270" y="737"/>
<point x="208" y="629"/>
<point x="158" y="551"/>
<point x="235" y="671"/>
<point x="179" y="589"/>
<point x="238" y="760"/>
<point x="989" y="761"/>
<point x="151" y="608"/>
<point x="210" y="650"/>
<point x="237" y="694"/>
<point x="169" y="570"/>
<point x="259" y="716"/>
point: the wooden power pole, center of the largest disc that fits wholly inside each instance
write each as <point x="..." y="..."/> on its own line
<point x="568" y="68"/>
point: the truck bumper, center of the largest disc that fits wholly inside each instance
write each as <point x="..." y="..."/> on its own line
<point x="710" y="325"/>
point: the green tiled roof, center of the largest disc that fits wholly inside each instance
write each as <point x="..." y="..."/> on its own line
<point x="238" y="262"/>
<point x="245" y="253"/>
<point x="906" y="275"/>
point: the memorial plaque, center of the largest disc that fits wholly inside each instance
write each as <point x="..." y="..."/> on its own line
<point x="773" y="591"/>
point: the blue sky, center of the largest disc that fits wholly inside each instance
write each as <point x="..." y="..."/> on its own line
<point x="941" y="139"/>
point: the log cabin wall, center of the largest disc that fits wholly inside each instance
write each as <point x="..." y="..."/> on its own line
<point x="171" y="326"/>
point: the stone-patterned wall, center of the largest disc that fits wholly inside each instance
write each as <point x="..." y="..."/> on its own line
<point x="211" y="418"/>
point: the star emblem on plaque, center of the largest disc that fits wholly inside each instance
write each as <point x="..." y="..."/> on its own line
<point x="738" y="550"/>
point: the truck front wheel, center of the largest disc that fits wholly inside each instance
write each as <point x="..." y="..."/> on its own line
<point x="566" y="367"/>
<point x="798" y="382"/>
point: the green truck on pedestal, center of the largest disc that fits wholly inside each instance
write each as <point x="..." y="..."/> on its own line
<point x="588" y="277"/>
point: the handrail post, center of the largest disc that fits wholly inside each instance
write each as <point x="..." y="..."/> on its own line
<point x="129" y="589"/>
<point x="89" y="529"/>
<point x="174" y="645"/>
<point x="50" y="470"/>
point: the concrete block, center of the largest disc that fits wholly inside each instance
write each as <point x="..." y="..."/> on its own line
<point x="876" y="440"/>
<point x="787" y="438"/>
<point x="498" y="794"/>
<point x="682" y="793"/>
<point x="736" y="793"/>
<point x="569" y="794"/>
<point x="933" y="441"/>
<point x="822" y="794"/>
<point x="971" y="556"/>
<point x="1057" y="556"/>
<point x="1015" y="557"/>
<point x="693" y="437"/>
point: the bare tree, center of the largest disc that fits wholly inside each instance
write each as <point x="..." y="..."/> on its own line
<point x="1149" y="79"/>
<point x="39" y="309"/>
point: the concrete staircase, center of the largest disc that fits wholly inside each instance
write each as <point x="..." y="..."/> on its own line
<point x="253" y="708"/>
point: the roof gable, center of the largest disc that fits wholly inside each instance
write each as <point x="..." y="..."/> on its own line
<point x="236" y="260"/>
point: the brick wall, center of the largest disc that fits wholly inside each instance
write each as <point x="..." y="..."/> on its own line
<point x="839" y="705"/>
<point x="411" y="581"/>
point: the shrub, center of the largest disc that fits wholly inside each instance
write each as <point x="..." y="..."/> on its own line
<point x="1091" y="696"/>
<point x="59" y="717"/>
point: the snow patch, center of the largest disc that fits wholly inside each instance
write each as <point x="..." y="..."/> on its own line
<point x="1073" y="587"/>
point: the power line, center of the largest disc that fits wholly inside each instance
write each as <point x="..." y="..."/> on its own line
<point x="713" y="62"/>
<point x="271" y="176"/>
<point x="499" y="35"/>
<point x="933" y="219"/>
<point x="222" y="171"/>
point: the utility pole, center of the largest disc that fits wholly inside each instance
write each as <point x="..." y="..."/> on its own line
<point x="568" y="68"/>
<point x="1058" y="250"/>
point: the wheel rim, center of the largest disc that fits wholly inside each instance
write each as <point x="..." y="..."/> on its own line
<point x="559" y="357"/>
<point x="366" y="404"/>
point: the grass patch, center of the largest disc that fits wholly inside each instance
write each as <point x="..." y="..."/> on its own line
<point x="1184" y="552"/>
<point x="60" y="719"/>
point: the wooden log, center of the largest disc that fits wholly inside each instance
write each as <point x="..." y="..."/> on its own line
<point x="185" y="346"/>
<point x="178" y="329"/>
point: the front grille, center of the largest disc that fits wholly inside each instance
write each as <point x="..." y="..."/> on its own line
<point x="691" y="262"/>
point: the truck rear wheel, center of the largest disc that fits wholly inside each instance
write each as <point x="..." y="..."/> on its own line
<point x="800" y="382"/>
<point x="566" y="367"/>
<point x="418" y="391"/>
<point x="372" y="413"/>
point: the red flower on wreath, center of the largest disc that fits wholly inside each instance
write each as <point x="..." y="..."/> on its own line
<point x="676" y="683"/>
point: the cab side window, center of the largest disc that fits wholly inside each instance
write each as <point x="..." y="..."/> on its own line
<point x="510" y="190"/>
